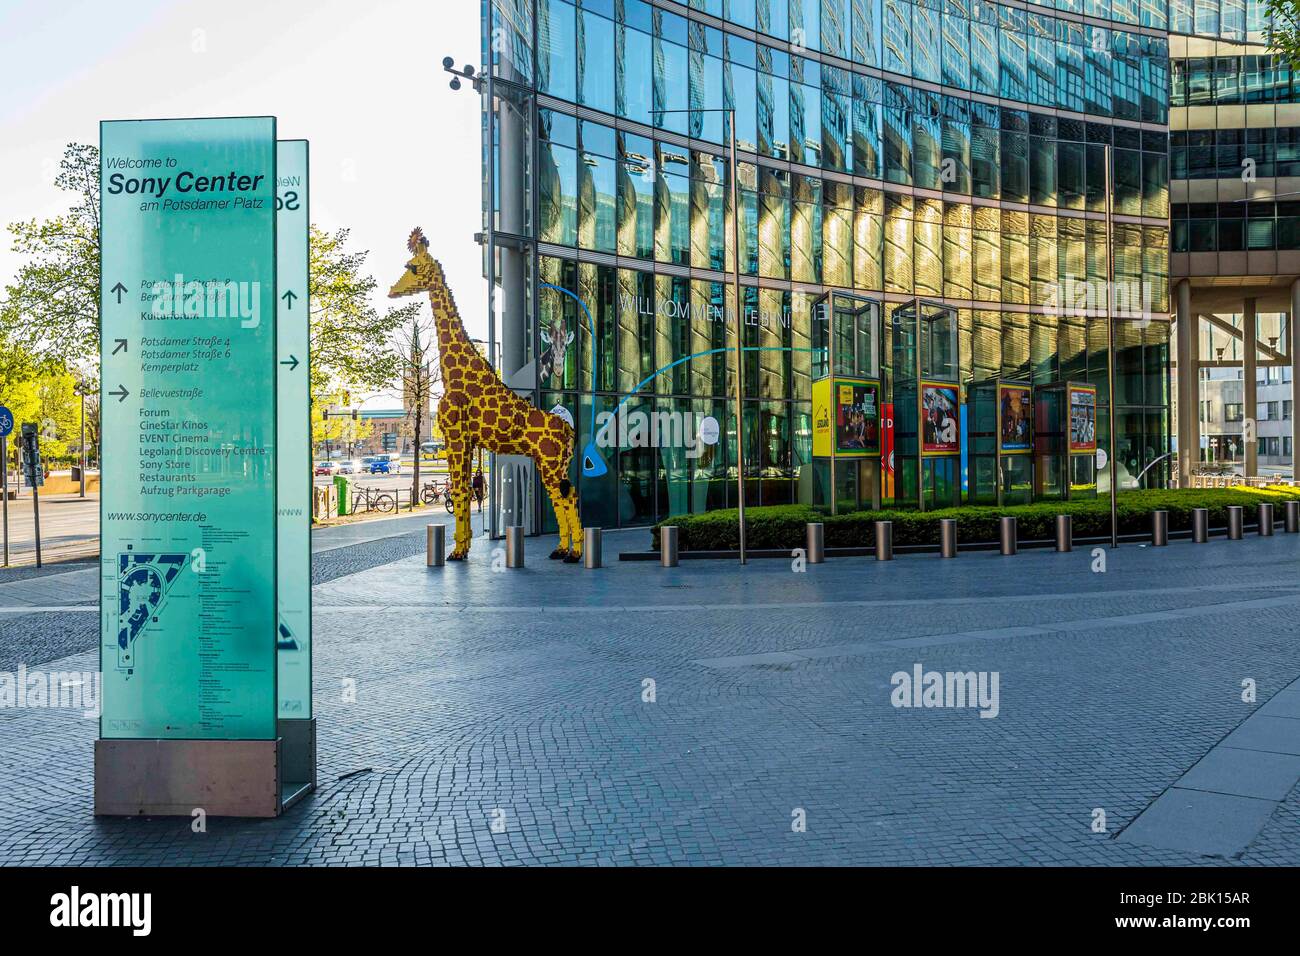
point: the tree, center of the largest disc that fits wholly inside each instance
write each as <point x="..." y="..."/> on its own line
<point x="59" y="414"/>
<point x="419" y="372"/>
<point x="339" y="429"/>
<point x="351" y="341"/>
<point x="52" y="305"/>
<point x="19" y="372"/>
<point x="92" y="421"/>
<point x="1285" y="39"/>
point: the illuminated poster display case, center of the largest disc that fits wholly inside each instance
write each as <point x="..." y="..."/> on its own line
<point x="1000" y="442"/>
<point x="1065" y="441"/>
<point x="847" y="396"/>
<point x="926" y="405"/>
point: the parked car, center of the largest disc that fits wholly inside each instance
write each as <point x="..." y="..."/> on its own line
<point x="350" y="467"/>
<point x="325" y="468"/>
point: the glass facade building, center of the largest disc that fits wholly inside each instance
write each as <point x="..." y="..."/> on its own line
<point x="1234" y="241"/>
<point x="946" y="151"/>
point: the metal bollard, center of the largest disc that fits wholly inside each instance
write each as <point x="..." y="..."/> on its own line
<point x="592" y="539"/>
<point x="815" y="540"/>
<point x="884" y="541"/>
<point x="1265" y="519"/>
<point x="1159" y="529"/>
<point x="435" y="545"/>
<point x="1200" y="525"/>
<point x="1007" y="535"/>
<point x="514" y="546"/>
<point x="668" y="546"/>
<point x="1292" y="514"/>
<point x="1064" y="533"/>
<point x="947" y="537"/>
<point x="1234" y="522"/>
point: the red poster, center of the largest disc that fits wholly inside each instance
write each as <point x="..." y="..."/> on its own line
<point x="887" y="449"/>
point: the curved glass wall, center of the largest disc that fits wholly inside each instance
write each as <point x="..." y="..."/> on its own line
<point x="949" y="149"/>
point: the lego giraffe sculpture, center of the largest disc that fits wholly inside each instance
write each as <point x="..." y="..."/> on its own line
<point x="477" y="410"/>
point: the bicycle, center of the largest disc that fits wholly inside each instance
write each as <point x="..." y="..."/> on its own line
<point x="432" y="492"/>
<point x="382" y="501"/>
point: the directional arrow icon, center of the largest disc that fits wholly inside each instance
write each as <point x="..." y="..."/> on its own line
<point x="288" y="297"/>
<point x="118" y="289"/>
<point x="292" y="362"/>
<point x="121" y="393"/>
<point x="121" y="346"/>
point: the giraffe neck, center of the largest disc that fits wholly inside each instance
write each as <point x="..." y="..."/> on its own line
<point x="447" y="321"/>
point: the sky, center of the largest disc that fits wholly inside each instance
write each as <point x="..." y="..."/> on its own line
<point x="392" y="146"/>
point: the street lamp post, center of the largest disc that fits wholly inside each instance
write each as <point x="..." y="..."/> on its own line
<point x="81" y="473"/>
<point x="740" y="305"/>
<point x="481" y="83"/>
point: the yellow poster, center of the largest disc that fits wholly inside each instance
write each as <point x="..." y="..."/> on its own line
<point x="821" y="401"/>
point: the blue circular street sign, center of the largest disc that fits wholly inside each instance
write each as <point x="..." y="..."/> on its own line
<point x="6" y="422"/>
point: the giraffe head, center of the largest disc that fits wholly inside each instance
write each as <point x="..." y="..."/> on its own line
<point x="423" y="271"/>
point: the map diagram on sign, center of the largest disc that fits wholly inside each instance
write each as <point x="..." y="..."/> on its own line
<point x="143" y="581"/>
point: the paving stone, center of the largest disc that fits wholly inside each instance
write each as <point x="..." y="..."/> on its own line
<point x="1285" y="703"/>
<point x="1212" y="824"/>
<point x="1246" y="773"/>
<point x="1264" y="732"/>
<point x="524" y="692"/>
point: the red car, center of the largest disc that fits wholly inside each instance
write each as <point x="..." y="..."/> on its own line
<point x="325" y="468"/>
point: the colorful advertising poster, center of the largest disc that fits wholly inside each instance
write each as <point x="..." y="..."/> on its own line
<point x="1083" y="418"/>
<point x="821" y="399"/>
<point x="940" y="428"/>
<point x="188" y="357"/>
<point x="293" y="428"/>
<point x="857" y="418"/>
<point x="1015" y="418"/>
<point x="887" y="450"/>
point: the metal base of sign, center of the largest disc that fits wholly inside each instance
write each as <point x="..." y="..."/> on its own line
<point x="297" y="760"/>
<point x="224" y="778"/>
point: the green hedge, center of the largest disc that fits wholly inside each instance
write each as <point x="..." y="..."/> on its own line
<point x="782" y="526"/>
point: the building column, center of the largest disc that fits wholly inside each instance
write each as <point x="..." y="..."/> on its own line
<point x="513" y="275"/>
<point x="1294" y="351"/>
<point x="1249" y="357"/>
<point x="1188" y="386"/>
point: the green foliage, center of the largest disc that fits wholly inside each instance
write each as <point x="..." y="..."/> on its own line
<point x="782" y="526"/>
<point x="339" y="429"/>
<point x="52" y="305"/>
<point x="351" y="341"/>
<point x="47" y="397"/>
<point x="1285" y="39"/>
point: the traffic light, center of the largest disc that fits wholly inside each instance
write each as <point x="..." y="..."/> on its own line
<point x="31" y="449"/>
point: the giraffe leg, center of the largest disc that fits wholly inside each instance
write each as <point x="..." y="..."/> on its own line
<point x="562" y="518"/>
<point x="575" y="521"/>
<point x="575" y="524"/>
<point x="458" y="476"/>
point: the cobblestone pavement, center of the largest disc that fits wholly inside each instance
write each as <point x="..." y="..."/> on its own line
<point x="520" y="697"/>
